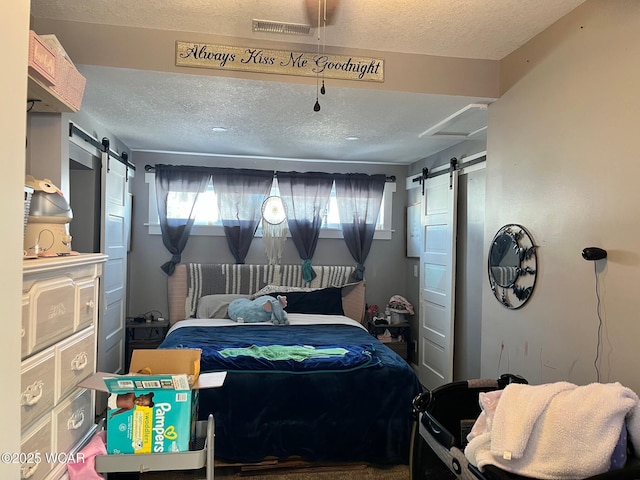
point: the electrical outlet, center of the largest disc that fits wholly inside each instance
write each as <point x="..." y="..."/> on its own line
<point x="415" y="271"/>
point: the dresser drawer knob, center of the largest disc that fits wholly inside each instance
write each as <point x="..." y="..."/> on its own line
<point x="32" y="394"/>
<point x="79" y="362"/>
<point x="90" y="305"/>
<point x="76" y="420"/>
<point x="27" y="471"/>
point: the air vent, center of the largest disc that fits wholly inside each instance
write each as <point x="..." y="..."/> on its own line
<point x="281" y="27"/>
<point x="465" y="123"/>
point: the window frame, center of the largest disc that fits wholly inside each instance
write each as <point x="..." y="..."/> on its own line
<point x="153" y="223"/>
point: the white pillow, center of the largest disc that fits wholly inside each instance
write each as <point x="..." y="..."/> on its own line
<point x="216" y="306"/>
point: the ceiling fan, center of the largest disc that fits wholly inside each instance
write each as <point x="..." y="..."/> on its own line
<point x="325" y="9"/>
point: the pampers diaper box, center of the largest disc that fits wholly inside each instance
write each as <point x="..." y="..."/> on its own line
<point x="151" y="413"/>
<point x="154" y="408"/>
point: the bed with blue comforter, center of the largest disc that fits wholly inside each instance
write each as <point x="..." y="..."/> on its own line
<point x="320" y="389"/>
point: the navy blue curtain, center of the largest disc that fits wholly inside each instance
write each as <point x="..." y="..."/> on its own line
<point x="359" y="197"/>
<point x="186" y="183"/>
<point x="240" y="196"/>
<point x="305" y="196"/>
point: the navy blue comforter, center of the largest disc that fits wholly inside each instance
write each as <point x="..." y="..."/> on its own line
<point x="350" y="407"/>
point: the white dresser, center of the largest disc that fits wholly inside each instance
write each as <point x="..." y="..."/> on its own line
<point x="59" y="323"/>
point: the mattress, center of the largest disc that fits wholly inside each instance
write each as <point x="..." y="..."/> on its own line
<point x="321" y="389"/>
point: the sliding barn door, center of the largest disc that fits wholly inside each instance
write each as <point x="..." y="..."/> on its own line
<point x="437" y="280"/>
<point x="116" y="218"/>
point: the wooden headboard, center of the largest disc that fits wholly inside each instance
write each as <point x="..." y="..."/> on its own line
<point x="185" y="286"/>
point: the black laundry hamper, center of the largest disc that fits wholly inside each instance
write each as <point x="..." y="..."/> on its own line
<point x="444" y="417"/>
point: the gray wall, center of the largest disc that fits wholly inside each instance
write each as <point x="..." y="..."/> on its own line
<point x="84" y="192"/>
<point x="98" y="131"/>
<point x="385" y="266"/>
<point x="562" y="160"/>
<point x="470" y="274"/>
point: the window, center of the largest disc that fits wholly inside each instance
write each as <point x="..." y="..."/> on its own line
<point x="178" y="202"/>
<point x="208" y="221"/>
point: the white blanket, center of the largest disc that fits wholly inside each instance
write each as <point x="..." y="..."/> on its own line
<point x="554" y="431"/>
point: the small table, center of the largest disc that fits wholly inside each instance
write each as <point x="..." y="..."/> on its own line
<point x="400" y="336"/>
<point x="144" y="335"/>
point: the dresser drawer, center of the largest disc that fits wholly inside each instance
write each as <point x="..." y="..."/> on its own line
<point x="75" y="361"/>
<point x="86" y="304"/>
<point x="52" y="311"/>
<point x="37" y="382"/>
<point x="36" y="444"/>
<point x="24" y="333"/>
<point x="73" y="419"/>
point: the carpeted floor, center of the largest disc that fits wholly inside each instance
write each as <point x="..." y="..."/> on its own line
<point x="300" y="472"/>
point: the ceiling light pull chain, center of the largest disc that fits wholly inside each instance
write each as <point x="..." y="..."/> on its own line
<point x="324" y="37"/>
<point x="316" y="107"/>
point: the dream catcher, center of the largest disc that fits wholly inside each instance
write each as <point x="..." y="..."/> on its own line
<point x="274" y="228"/>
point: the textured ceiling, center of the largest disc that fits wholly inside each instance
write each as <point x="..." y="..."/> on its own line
<point x="153" y="111"/>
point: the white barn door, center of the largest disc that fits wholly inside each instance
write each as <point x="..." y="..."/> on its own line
<point x="437" y="280"/>
<point x="116" y="218"/>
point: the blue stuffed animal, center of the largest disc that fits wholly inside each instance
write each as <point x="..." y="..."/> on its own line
<point x="262" y="309"/>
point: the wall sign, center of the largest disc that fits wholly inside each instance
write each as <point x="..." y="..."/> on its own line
<point x="283" y="62"/>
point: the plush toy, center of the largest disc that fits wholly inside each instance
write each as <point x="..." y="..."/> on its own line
<point x="262" y="309"/>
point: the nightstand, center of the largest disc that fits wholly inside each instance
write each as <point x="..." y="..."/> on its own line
<point x="400" y="336"/>
<point x="144" y="335"/>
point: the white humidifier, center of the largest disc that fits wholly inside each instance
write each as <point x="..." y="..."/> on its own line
<point x="47" y="231"/>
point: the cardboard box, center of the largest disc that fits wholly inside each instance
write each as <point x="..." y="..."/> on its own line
<point x="154" y="408"/>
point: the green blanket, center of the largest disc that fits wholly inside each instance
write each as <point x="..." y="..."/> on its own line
<point x="284" y="352"/>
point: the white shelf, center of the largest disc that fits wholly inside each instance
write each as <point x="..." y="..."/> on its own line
<point x="49" y="101"/>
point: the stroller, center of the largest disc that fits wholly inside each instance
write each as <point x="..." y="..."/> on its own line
<point x="444" y="417"/>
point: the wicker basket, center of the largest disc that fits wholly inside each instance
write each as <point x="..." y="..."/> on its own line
<point x="70" y="83"/>
<point x="42" y="60"/>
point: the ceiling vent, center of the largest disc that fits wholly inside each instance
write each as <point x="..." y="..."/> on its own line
<point x="281" y="27"/>
<point x="465" y="123"/>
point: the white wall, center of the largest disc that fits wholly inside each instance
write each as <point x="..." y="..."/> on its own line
<point x="14" y="26"/>
<point x="563" y="161"/>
